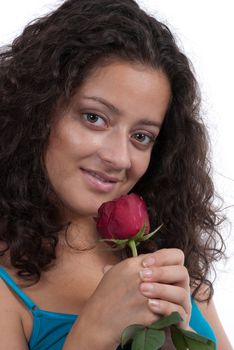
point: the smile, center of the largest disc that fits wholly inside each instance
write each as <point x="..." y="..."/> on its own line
<point x="97" y="182"/>
<point x="99" y="177"/>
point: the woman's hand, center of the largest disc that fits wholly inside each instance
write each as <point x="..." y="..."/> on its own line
<point x="165" y="282"/>
<point x="117" y="303"/>
<point x="121" y="300"/>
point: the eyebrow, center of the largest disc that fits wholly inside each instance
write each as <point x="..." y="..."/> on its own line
<point x="117" y="111"/>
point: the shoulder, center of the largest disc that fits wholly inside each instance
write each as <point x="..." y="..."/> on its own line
<point x="210" y="313"/>
<point x="15" y="318"/>
<point x="8" y="298"/>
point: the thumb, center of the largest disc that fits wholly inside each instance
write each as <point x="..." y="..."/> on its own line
<point x="107" y="268"/>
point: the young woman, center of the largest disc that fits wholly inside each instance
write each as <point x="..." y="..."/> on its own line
<point x="97" y="101"/>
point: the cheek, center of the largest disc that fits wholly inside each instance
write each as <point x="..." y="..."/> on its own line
<point x="64" y="145"/>
<point x="141" y="165"/>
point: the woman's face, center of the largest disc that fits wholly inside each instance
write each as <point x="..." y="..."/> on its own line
<point x="100" y="146"/>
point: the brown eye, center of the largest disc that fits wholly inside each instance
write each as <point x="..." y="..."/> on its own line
<point x="143" y="138"/>
<point x="93" y="118"/>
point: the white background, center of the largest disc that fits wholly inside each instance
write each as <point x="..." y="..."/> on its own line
<point x="204" y="30"/>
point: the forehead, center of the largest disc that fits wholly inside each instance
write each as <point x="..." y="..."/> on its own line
<point x="127" y="86"/>
<point x="126" y="74"/>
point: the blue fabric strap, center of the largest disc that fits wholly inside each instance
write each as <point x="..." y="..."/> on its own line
<point x="11" y="283"/>
<point x="200" y="324"/>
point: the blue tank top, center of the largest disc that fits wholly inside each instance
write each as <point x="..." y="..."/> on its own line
<point x="51" y="328"/>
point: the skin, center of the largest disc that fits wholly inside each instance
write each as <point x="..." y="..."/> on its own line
<point x="108" y="142"/>
<point x="118" y="144"/>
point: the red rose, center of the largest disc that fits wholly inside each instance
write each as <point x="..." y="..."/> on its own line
<point x="125" y="222"/>
<point x="122" y="218"/>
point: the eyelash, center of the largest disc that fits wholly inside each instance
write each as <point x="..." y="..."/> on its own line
<point x="96" y="115"/>
<point x="151" y="138"/>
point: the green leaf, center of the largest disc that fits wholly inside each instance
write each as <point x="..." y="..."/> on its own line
<point x="192" y="340"/>
<point x="129" y="332"/>
<point x="116" y="241"/>
<point x="196" y="341"/>
<point x="166" y="321"/>
<point x="178" y="339"/>
<point x="145" y="237"/>
<point x="196" y="345"/>
<point x="148" y="339"/>
<point x="195" y="336"/>
<point x="140" y="234"/>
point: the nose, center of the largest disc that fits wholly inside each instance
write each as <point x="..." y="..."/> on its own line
<point x="116" y="151"/>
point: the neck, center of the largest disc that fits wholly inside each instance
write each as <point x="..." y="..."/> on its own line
<point x="81" y="233"/>
<point x="82" y="236"/>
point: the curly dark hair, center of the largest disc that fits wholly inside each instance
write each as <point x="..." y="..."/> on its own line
<point x="50" y="60"/>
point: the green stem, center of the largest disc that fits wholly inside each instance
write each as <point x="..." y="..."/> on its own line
<point x="132" y="245"/>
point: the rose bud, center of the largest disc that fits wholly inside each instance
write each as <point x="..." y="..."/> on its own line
<point x="122" y="218"/>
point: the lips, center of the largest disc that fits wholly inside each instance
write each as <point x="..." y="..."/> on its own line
<point x="102" y="176"/>
<point x="99" y="181"/>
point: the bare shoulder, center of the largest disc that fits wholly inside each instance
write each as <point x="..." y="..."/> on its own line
<point x="210" y="313"/>
<point x="12" y="332"/>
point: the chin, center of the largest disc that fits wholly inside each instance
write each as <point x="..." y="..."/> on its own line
<point x="87" y="207"/>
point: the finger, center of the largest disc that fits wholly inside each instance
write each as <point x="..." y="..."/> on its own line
<point x="164" y="257"/>
<point x="177" y="275"/>
<point x="164" y="308"/>
<point x="170" y="293"/>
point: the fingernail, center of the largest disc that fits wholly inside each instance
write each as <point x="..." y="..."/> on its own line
<point x="153" y="302"/>
<point x="147" y="287"/>
<point x="148" y="261"/>
<point x="146" y="273"/>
